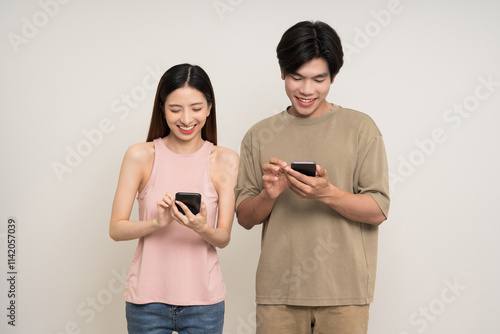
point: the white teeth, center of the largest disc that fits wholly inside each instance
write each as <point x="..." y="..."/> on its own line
<point x="305" y="101"/>
<point x="187" y="129"/>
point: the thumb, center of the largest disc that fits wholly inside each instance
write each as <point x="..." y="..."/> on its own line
<point x="321" y="172"/>
<point x="203" y="209"/>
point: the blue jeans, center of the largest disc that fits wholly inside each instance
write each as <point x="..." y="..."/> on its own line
<point x="159" y="318"/>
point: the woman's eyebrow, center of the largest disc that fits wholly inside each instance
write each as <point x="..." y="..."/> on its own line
<point x="180" y="106"/>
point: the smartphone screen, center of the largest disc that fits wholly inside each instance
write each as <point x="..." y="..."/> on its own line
<point x="305" y="167"/>
<point x="191" y="200"/>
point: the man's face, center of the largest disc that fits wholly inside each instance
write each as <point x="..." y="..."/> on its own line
<point x="308" y="88"/>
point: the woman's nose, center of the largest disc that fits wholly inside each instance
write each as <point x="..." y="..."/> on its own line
<point x="186" y="117"/>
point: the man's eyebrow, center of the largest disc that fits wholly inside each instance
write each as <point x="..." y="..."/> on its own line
<point x="322" y="75"/>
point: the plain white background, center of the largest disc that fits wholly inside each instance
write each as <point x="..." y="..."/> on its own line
<point x="77" y="85"/>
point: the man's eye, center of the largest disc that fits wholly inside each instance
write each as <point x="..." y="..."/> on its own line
<point x="295" y="78"/>
<point x="319" y="81"/>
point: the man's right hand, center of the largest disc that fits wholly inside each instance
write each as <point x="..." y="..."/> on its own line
<point x="274" y="179"/>
<point x="255" y="209"/>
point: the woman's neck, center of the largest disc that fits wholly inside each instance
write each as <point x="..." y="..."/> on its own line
<point x="178" y="146"/>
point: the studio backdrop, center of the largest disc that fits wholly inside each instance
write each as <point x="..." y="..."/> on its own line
<point x="77" y="84"/>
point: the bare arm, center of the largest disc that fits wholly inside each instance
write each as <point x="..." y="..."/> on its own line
<point x="223" y="173"/>
<point x="254" y="210"/>
<point x="134" y="174"/>
<point x="357" y="207"/>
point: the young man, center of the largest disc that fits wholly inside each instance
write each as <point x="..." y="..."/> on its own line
<point x="319" y="235"/>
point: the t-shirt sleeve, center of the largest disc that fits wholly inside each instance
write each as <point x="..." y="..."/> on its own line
<point x="250" y="172"/>
<point x="372" y="175"/>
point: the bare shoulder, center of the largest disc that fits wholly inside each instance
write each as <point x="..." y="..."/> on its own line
<point x="141" y="153"/>
<point x="224" y="165"/>
<point x="224" y="156"/>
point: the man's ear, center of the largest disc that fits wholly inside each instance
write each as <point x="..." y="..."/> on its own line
<point x="282" y="73"/>
<point x="333" y="79"/>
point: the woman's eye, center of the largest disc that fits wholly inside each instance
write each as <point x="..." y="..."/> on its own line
<point x="196" y="109"/>
<point x="174" y="111"/>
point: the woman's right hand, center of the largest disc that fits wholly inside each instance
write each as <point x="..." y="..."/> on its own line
<point x="164" y="210"/>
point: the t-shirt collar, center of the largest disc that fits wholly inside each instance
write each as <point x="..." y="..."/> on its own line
<point x="309" y="121"/>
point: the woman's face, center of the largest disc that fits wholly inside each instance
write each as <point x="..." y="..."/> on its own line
<point x="186" y="111"/>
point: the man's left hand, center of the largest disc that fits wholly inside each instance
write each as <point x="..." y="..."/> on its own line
<point x="310" y="187"/>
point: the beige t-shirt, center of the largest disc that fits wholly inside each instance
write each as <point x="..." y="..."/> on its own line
<point x="311" y="255"/>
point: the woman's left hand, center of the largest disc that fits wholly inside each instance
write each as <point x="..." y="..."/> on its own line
<point x="197" y="223"/>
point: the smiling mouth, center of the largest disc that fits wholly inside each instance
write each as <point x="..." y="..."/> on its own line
<point x="305" y="101"/>
<point x="186" y="129"/>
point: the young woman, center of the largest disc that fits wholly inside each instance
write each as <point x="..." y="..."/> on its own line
<point x="175" y="282"/>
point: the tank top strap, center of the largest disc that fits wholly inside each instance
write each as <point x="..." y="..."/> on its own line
<point x="158" y="147"/>
<point x="207" y="150"/>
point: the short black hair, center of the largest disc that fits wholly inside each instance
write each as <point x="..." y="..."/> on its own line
<point x="307" y="40"/>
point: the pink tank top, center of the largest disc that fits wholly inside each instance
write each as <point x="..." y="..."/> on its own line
<point x="174" y="265"/>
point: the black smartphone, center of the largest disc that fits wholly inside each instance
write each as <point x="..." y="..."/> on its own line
<point x="191" y="200"/>
<point x="305" y="167"/>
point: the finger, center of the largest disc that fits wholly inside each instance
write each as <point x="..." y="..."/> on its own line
<point x="321" y="172"/>
<point x="203" y="209"/>
<point x="270" y="168"/>
<point x="169" y="198"/>
<point x="177" y="215"/>
<point x="278" y="162"/>
<point x="184" y="208"/>
<point x="162" y="204"/>
<point x="295" y="187"/>
<point x="269" y="178"/>
<point x="293" y="182"/>
<point x="297" y="175"/>
<point x="298" y="187"/>
<point x="166" y="201"/>
<point x="175" y="211"/>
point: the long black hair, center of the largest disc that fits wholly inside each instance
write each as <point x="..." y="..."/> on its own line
<point x="174" y="78"/>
